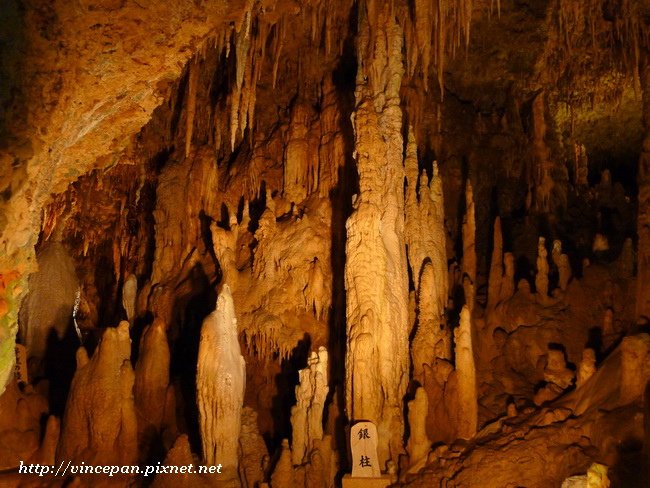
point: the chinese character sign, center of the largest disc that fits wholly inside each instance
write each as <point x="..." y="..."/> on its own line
<point x="363" y="443"/>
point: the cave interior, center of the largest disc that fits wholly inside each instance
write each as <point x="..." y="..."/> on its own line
<point x="230" y="231"/>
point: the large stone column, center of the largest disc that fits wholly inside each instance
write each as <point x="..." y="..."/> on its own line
<point x="376" y="276"/>
<point x="220" y="384"/>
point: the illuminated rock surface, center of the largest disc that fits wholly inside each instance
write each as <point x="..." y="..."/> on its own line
<point x="428" y="215"/>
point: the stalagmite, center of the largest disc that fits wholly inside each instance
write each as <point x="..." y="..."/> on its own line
<point x="129" y="295"/>
<point x="466" y="372"/>
<point x="152" y="376"/>
<point x="318" y="470"/>
<point x="601" y="243"/>
<point x="181" y="455"/>
<point x="432" y="338"/>
<point x="419" y="444"/>
<point x="425" y="240"/>
<point x="307" y="414"/>
<point x="253" y="450"/>
<point x="220" y="383"/>
<point x="425" y="226"/>
<point x="99" y="425"/>
<point x="496" y="267"/>
<point x="608" y="324"/>
<point x="556" y="370"/>
<point x="635" y="366"/>
<point x="469" y="247"/>
<point x="541" y="278"/>
<point x="587" y="367"/>
<point x="376" y="278"/>
<point x="283" y="475"/>
<point x="562" y="264"/>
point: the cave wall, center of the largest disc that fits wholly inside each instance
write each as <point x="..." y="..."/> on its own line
<point x="276" y="148"/>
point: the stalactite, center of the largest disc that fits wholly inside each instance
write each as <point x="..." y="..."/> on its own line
<point x="191" y="103"/>
<point x="376" y="269"/>
<point x="438" y="30"/>
<point x="299" y="158"/>
<point x="220" y="383"/>
<point x="466" y="373"/>
<point x="548" y="188"/>
<point x="331" y="154"/>
<point x="129" y="295"/>
<point x="242" y="46"/>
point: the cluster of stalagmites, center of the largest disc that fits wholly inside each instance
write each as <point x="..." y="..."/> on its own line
<point x="277" y="275"/>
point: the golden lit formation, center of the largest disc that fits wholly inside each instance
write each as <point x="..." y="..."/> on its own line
<point x="325" y="243"/>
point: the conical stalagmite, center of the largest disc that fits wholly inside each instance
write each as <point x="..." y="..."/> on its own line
<point x="541" y="278"/>
<point x="562" y="264"/>
<point x="426" y="242"/>
<point x="152" y="376"/>
<point x="419" y="444"/>
<point x="307" y="414"/>
<point x="432" y="338"/>
<point x="99" y="425"/>
<point x="376" y="278"/>
<point x="424" y="227"/>
<point x="253" y="450"/>
<point x="220" y="383"/>
<point x="283" y="475"/>
<point x="466" y="373"/>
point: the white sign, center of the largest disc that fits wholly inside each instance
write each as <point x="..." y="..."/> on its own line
<point x="363" y="443"/>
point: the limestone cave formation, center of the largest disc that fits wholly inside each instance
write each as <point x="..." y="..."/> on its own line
<point x="324" y="243"/>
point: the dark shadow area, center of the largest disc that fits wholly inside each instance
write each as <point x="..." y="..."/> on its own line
<point x="285" y="398"/>
<point x="109" y="312"/>
<point x="630" y="465"/>
<point x="344" y="79"/>
<point x="595" y="342"/>
<point x="192" y="309"/>
<point x="59" y="365"/>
